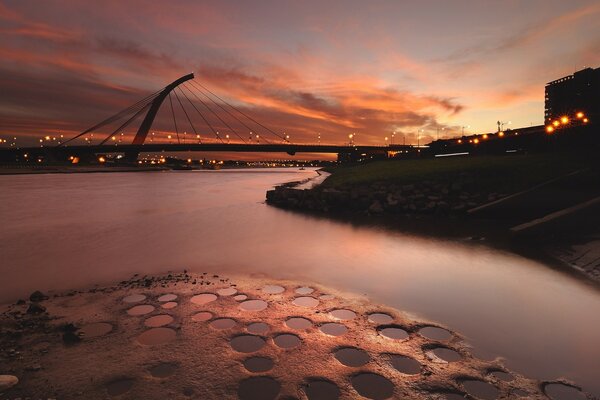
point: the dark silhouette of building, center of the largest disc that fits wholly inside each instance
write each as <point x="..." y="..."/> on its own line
<point x="577" y="93"/>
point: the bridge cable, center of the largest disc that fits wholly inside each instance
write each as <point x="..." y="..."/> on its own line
<point x="198" y="111"/>
<point x="184" y="111"/>
<point x="220" y="119"/>
<point x="229" y="113"/>
<point x="241" y="112"/>
<point x="145" y="101"/>
<point x="126" y="123"/>
<point x="174" y="120"/>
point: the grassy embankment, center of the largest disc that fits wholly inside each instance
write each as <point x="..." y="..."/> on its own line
<point x="505" y="174"/>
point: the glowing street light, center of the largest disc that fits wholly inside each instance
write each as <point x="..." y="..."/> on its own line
<point x="564" y="120"/>
<point x="580" y="115"/>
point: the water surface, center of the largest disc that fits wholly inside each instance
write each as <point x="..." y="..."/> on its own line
<point x="70" y="231"/>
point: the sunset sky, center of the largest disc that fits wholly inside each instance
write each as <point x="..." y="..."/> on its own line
<point x="302" y="67"/>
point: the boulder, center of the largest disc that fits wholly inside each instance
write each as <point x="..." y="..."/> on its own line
<point x="38" y="296"/>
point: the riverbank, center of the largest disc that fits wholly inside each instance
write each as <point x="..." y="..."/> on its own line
<point x="504" y="199"/>
<point x="213" y="337"/>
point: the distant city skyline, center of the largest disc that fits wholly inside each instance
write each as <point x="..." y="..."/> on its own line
<point x="304" y="68"/>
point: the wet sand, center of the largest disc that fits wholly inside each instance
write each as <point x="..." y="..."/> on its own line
<point x="211" y="337"/>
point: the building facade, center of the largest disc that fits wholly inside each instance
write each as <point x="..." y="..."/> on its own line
<point x="577" y="93"/>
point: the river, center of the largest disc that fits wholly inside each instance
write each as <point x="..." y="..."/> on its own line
<point x="66" y="231"/>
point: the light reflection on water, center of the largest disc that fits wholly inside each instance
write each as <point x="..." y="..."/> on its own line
<point x="69" y="231"/>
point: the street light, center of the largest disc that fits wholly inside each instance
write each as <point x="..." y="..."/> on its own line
<point x="393" y="134"/>
<point x="419" y="137"/>
<point x="463" y="129"/>
<point x="386" y="140"/>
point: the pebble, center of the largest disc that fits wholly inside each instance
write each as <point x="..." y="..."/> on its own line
<point x="8" y="381"/>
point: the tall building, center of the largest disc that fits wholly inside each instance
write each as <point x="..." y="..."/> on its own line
<point x="575" y="93"/>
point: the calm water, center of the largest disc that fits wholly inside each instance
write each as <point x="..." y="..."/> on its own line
<point x="69" y="231"/>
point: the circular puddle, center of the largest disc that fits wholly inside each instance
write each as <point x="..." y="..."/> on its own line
<point x="119" y="386"/>
<point x="298" y="323"/>
<point x="481" y="390"/>
<point x="134" y="298"/>
<point x="502" y="376"/>
<point x="435" y="333"/>
<point x="446" y="354"/>
<point x="405" y="365"/>
<point x="373" y="386"/>
<point x="223" y="323"/>
<point x="203" y="298"/>
<point x="333" y="329"/>
<point x="454" y="396"/>
<point x="240" y="297"/>
<point x="202" y="316"/>
<point x="163" y="370"/>
<point x="158" y="320"/>
<point x="352" y="357"/>
<point x="259" y="388"/>
<point x="392" y="332"/>
<point x="344" y="315"/>
<point x="380" y="318"/>
<point x="140" y="310"/>
<point x="321" y="390"/>
<point x="95" y="329"/>
<point x="258" y="328"/>
<point x="156" y="336"/>
<point x="169" y="305"/>
<point x="258" y="364"/>
<point x="230" y="291"/>
<point x="305" y="301"/>
<point x="304" y="290"/>
<point x="273" y="289"/>
<point x="167" y="297"/>
<point x="287" y="341"/>
<point x="247" y="343"/>
<point x="559" y="391"/>
<point x="326" y="297"/>
<point x="253" y="305"/>
<point x="519" y="393"/>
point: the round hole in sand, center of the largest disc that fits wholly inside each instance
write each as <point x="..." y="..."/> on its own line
<point x="481" y="390"/>
<point x="240" y="297"/>
<point x="169" y="305"/>
<point x="253" y="305"/>
<point x="119" y="386"/>
<point x="352" y="357"/>
<point x="230" y="291"/>
<point x="258" y="364"/>
<point x="321" y="390"/>
<point x="167" y="297"/>
<point x="404" y="364"/>
<point x="446" y="354"/>
<point x="258" y="328"/>
<point x="560" y="391"/>
<point x="163" y="370"/>
<point x="394" y="332"/>
<point x="519" y="393"/>
<point x="373" y="386"/>
<point x="202" y="316"/>
<point x="502" y="376"/>
<point x="326" y="297"/>
<point x="380" y="318"/>
<point x="203" y="298"/>
<point x="158" y="320"/>
<point x="298" y="323"/>
<point x="247" y="343"/>
<point x="95" y="329"/>
<point x="333" y="329"/>
<point x="223" y="323"/>
<point x="344" y="315"/>
<point x="273" y="289"/>
<point x="305" y="301"/>
<point x="287" y="341"/>
<point x="435" y="333"/>
<point x="156" y="336"/>
<point x="259" y="388"/>
<point x="304" y="290"/>
<point x="142" y="309"/>
<point x="134" y="298"/>
<point x="454" y="396"/>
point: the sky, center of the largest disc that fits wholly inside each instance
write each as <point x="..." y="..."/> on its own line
<point x="301" y="67"/>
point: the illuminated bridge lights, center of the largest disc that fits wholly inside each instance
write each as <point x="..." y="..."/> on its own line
<point x="566" y="120"/>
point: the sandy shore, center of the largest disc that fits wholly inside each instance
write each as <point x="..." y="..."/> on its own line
<point x="211" y="337"/>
